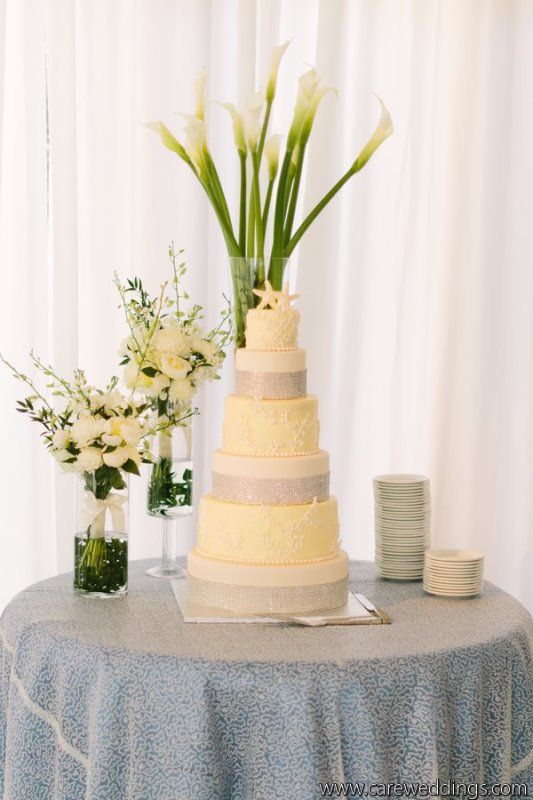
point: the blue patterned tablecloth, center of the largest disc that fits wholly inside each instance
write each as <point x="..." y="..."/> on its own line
<point x="108" y="700"/>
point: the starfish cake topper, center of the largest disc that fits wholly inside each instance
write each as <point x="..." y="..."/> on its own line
<point x="270" y="298"/>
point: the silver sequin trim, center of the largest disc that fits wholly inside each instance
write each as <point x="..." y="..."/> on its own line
<point x="270" y="491"/>
<point x="270" y="385"/>
<point x="268" y="599"/>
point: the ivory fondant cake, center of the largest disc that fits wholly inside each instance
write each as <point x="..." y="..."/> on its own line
<point x="268" y="535"/>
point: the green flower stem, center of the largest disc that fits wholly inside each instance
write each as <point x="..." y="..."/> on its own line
<point x="239" y="316"/>
<point x="266" y="209"/>
<point x="279" y="217"/>
<point x="242" y="209"/>
<point x="218" y="190"/>
<point x="294" y="189"/>
<point x="258" y="222"/>
<point x="232" y="245"/>
<point x="264" y="129"/>
<point x="250" y="242"/>
<point x="308" y="221"/>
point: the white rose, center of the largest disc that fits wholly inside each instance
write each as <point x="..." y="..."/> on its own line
<point x="158" y="384"/>
<point x="174" y="366"/>
<point x="61" y="455"/>
<point x="181" y="391"/>
<point x="86" y="429"/>
<point x="172" y="340"/>
<point x="61" y="439"/>
<point x="89" y="459"/>
<point x="138" y="380"/>
<point x="119" y="456"/>
<point x="207" y="349"/>
<point x="130" y="430"/>
<point x="121" y="429"/>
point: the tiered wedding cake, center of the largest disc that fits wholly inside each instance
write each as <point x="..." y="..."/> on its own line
<point x="268" y="535"/>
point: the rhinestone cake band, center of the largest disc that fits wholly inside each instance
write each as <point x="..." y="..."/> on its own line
<point x="268" y="599"/>
<point x="270" y="491"/>
<point x="270" y="385"/>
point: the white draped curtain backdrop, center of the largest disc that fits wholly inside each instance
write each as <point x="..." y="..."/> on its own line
<point x="416" y="283"/>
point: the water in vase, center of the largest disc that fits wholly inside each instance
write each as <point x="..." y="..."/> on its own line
<point x="170" y="488"/>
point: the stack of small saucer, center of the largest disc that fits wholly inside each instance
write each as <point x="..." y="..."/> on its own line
<point x="402" y="524"/>
<point x="453" y="573"/>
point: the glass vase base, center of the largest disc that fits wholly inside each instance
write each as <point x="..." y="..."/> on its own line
<point x="101" y="595"/>
<point x="170" y="573"/>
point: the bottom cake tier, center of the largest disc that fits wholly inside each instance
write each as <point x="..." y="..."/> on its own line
<point x="268" y="589"/>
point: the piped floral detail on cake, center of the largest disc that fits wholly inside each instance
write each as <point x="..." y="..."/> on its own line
<point x="287" y="436"/>
<point x="272" y="329"/>
<point x="280" y="541"/>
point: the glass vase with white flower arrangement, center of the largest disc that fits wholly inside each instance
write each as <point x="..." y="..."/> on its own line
<point x="263" y="230"/>
<point x="102" y="437"/>
<point x="166" y="359"/>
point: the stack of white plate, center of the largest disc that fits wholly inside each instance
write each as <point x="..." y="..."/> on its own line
<point x="453" y="573"/>
<point x="402" y="524"/>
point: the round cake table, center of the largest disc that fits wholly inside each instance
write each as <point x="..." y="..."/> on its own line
<point x="108" y="700"/>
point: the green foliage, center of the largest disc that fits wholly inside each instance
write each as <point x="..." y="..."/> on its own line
<point x="165" y="493"/>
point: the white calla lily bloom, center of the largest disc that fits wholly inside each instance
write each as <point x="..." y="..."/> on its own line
<point x="277" y="55"/>
<point x="199" y="92"/>
<point x="196" y="138"/>
<point x="238" y="127"/>
<point x="252" y="117"/>
<point x="272" y="148"/>
<point x="383" y="130"/>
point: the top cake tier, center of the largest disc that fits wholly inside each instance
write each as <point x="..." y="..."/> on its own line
<point x="273" y="325"/>
<point x="272" y="329"/>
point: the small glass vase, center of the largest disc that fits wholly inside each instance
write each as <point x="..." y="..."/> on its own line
<point x="101" y="538"/>
<point x="248" y="274"/>
<point x="170" y="493"/>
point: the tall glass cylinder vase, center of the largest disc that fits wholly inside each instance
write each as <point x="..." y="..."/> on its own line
<point x="101" y="537"/>
<point x="170" y="492"/>
<point x="248" y="274"/>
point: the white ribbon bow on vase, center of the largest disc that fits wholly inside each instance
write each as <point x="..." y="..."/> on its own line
<point x="95" y="513"/>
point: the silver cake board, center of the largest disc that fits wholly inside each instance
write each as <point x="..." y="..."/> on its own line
<point x="352" y="613"/>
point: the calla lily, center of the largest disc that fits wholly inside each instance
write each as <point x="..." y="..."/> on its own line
<point x="238" y="127"/>
<point x="272" y="147"/>
<point x="383" y="130"/>
<point x="319" y="93"/>
<point x="168" y="139"/>
<point x="308" y="84"/>
<point x="199" y="91"/>
<point x="252" y="116"/>
<point x="196" y="137"/>
<point x="277" y="55"/>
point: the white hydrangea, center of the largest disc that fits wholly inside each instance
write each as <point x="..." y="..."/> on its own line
<point x="86" y="430"/>
<point x="181" y="392"/>
<point x="109" y="401"/>
<point x="207" y="349"/>
<point x="172" y="340"/>
<point x="206" y="373"/>
<point x="89" y="459"/>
